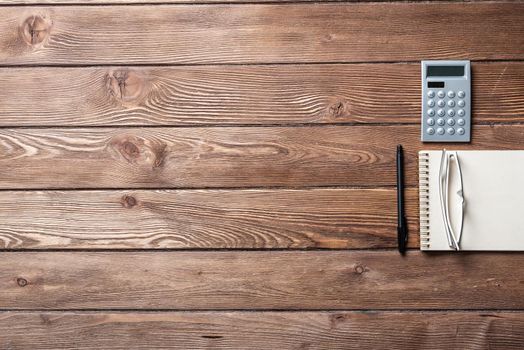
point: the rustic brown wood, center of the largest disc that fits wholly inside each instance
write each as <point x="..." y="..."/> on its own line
<point x="261" y="280"/>
<point x="319" y="218"/>
<point x="362" y="93"/>
<point x="102" y="182"/>
<point x="260" y="33"/>
<point x="125" y="2"/>
<point x="262" y="330"/>
<point x="221" y="157"/>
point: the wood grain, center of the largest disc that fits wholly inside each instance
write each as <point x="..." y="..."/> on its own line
<point x="221" y="157"/>
<point x="262" y="330"/>
<point x="318" y="218"/>
<point x="148" y="2"/>
<point x="212" y="34"/>
<point x="228" y="95"/>
<point x="123" y="172"/>
<point x="261" y="280"/>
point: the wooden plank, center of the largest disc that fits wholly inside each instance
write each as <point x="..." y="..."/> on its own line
<point x="262" y="330"/>
<point x="213" y="34"/>
<point x="318" y="218"/>
<point x="147" y="2"/>
<point x="221" y="157"/>
<point x="282" y="94"/>
<point x="185" y="280"/>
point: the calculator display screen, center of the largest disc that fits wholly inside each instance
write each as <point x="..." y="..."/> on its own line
<point x="445" y="71"/>
<point x="435" y="84"/>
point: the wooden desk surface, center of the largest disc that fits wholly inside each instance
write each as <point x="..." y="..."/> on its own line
<point x="221" y="175"/>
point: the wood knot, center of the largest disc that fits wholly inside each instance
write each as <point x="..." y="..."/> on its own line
<point x="46" y="320"/>
<point x="139" y="151"/>
<point x="335" y="319"/>
<point x="130" y="149"/>
<point x="125" y="85"/>
<point x="35" y="29"/>
<point x="359" y="269"/>
<point x="336" y="109"/>
<point x="328" y="37"/>
<point x="160" y="154"/>
<point x="129" y="201"/>
<point x="22" y="282"/>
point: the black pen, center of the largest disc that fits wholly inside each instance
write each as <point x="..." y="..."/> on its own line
<point x="402" y="227"/>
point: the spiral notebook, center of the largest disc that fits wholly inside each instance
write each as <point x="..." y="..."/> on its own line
<point x="471" y="200"/>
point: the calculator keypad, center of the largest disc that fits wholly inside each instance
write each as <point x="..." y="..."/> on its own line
<point x="446" y="115"/>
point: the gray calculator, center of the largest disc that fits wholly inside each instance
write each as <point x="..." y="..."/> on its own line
<point x="446" y="101"/>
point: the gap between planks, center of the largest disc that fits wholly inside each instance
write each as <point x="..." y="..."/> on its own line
<point x="101" y="3"/>
<point x="242" y="64"/>
<point x="200" y="126"/>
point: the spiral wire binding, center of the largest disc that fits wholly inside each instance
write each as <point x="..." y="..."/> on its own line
<point x="423" y="170"/>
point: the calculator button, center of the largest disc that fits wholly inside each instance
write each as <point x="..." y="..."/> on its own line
<point x="440" y="131"/>
<point x="461" y="131"/>
<point x="461" y="112"/>
<point x="431" y="103"/>
<point x="431" y="112"/>
<point x="461" y="103"/>
<point x="451" y="94"/>
<point x="441" y="103"/>
<point x="430" y="131"/>
<point x="451" y="112"/>
<point x="441" y="94"/>
<point x="461" y="94"/>
<point x="441" y="121"/>
<point x="441" y="112"/>
<point x="431" y="93"/>
<point x="451" y="131"/>
<point x="451" y="122"/>
<point x="431" y="121"/>
<point x="451" y="103"/>
<point x="461" y="122"/>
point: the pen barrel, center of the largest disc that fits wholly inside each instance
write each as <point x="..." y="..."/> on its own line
<point x="400" y="183"/>
<point x="402" y="233"/>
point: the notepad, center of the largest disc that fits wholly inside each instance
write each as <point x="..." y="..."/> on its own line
<point x="471" y="200"/>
